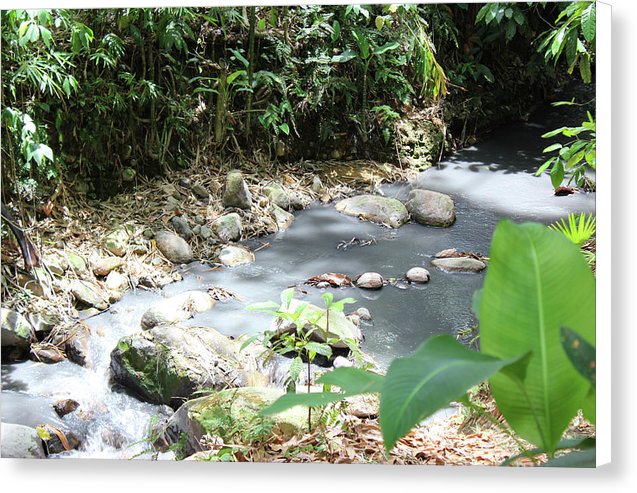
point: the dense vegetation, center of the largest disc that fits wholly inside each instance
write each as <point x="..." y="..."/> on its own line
<point x="108" y="95"/>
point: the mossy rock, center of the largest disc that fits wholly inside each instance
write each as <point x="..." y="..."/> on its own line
<point x="236" y="193"/>
<point x="116" y="241"/>
<point x="233" y="415"/>
<point x="168" y="364"/>
<point x="228" y="227"/>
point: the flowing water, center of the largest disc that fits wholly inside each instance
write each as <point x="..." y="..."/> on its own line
<point x="488" y="181"/>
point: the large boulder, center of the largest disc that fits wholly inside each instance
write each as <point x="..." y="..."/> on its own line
<point x="383" y="210"/>
<point x="228" y="227"/>
<point x="173" y="247"/>
<point x="21" y="442"/>
<point x="168" y="364"/>
<point x="236" y="193"/>
<point x="431" y="208"/>
<point x="16" y="334"/>
<point x="459" y="264"/>
<point x="233" y="255"/>
<point x="228" y="414"/>
<point x="177" y="308"/>
<point x="340" y="327"/>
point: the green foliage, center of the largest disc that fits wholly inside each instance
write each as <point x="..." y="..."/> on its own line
<point x="508" y="19"/>
<point x="573" y="157"/>
<point x="579" y="228"/>
<point x="302" y="320"/>
<point x="573" y="38"/>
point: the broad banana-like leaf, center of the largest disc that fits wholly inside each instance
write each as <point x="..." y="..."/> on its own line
<point x="439" y="371"/>
<point x="537" y="282"/>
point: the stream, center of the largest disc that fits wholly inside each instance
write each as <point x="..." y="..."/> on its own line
<point x="488" y="181"/>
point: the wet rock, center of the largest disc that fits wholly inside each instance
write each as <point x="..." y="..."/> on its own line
<point x="341" y="327"/>
<point x="104" y="265"/>
<point x="208" y="415"/>
<point x="16" y="333"/>
<point x="65" y="406"/>
<point x="431" y="208"/>
<point x="181" y="227"/>
<point x="277" y="195"/>
<point x="417" y="275"/>
<point x="173" y="247"/>
<point x="116" y="241"/>
<point x="167" y="364"/>
<point x="46" y="353"/>
<point x="116" y="281"/>
<point x="60" y="440"/>
<point x="200" y="191"/>
<point x="370" y="280"/>
<point x="362" y="313"/>
<point x="282" y="218"/>
<point x="383" y="210"/>
<point x="236" y="193"/>
<point x="74" y="340"/>
<point x="21" y="442"/>
<point x="232" y="255"/>
<point x="177" y="308"/>
<point x="228" y="227"/>
<point x="88" y="294"/>
<point x="459" y="264"/>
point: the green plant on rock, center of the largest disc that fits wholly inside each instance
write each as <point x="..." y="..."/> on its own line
<point x="299" y="336"/>
<point x="537" y="335"/>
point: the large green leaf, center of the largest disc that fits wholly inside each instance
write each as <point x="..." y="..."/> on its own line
<point x="537" y="282"/>
<point x="438" y="372"/>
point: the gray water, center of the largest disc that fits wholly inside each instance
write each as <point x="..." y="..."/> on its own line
<point x="489" y="181"/>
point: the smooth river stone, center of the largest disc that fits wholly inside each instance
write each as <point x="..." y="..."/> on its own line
<point x="384" y="210"/>
<point x="459" y="264"/>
